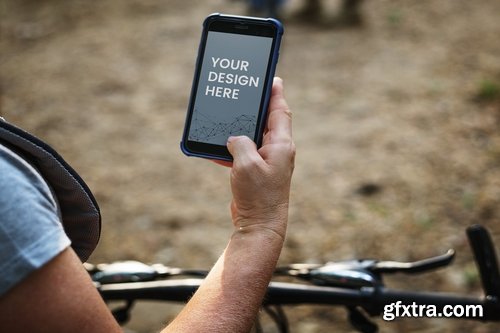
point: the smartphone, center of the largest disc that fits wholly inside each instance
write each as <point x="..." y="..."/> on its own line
<point x="232" y="83"/>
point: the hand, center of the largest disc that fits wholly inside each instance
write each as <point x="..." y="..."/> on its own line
<point x="260" y="179"/>
<point x="260" y="182"/>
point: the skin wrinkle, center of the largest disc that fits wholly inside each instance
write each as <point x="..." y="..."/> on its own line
<point x="262" y="226"/>
<point x="264" y="215"/>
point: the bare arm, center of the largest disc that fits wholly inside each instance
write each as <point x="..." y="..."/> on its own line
<point x="231" y="295"/>
<point x="60" y="296"/>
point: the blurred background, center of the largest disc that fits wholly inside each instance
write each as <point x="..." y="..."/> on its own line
<point x="396" y="121"/>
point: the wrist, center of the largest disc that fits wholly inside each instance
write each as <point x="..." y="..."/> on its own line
<point x="250" y="211"/>
<point x="270" y="222"/>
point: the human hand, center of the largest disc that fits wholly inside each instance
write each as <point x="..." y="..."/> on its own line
<point x="260" y="182"/>
<point x="260" y="179"/>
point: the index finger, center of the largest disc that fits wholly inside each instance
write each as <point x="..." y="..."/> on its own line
<point x="279" y="121"/>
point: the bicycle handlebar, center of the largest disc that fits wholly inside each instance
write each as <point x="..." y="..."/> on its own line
<point x="354" y="284"/>
<point x="371" y="299"/>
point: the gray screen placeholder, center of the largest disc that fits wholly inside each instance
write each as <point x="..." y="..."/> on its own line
<point x="230" y="87"/>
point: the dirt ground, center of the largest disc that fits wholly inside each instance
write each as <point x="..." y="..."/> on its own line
<point x="396" y="124"/>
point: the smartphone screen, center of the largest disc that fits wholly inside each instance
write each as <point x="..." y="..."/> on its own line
<point x="232" y="84"/>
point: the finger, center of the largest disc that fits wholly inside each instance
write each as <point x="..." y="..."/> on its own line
<point x="279" y="121"/>
<point x="223" y="163"/>
<point x="243" y="149"/>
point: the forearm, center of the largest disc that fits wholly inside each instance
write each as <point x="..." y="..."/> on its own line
<point x="231" y="295"/>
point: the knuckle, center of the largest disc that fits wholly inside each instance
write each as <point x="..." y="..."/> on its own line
<point x="249" y="165"/>
<point x="287" y="112"/>
<point x="293" y="152"/>
<point x="289" y="149"/>
<point x="240" y="139"/>
<point x="286" y="152"/>
<point x="293" y="149"/>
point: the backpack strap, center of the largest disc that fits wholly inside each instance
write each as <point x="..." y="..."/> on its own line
<point x="81" y="217"/>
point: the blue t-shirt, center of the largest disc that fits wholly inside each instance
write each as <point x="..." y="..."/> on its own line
<point x="31" y="232"/>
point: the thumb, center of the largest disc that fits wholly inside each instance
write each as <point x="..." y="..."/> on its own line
<point x="242" y="148"/>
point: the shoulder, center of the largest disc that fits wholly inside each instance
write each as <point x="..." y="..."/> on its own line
<point x="31" y="232"/>
<point x="23" y="191"/>
<point x="18" y="177"/>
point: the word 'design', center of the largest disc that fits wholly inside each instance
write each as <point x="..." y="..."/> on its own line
<point x="229" y="78"/>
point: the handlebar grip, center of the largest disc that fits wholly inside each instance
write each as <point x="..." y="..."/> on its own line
<point x="486" y="259"/>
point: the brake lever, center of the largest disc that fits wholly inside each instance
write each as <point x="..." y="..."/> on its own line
<point x="123" y="271"/>
<point x="135" y="271"/>
<point x="361" y="273"/>
<point x="346" y="274"/>
<point x="416" y="266"/>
